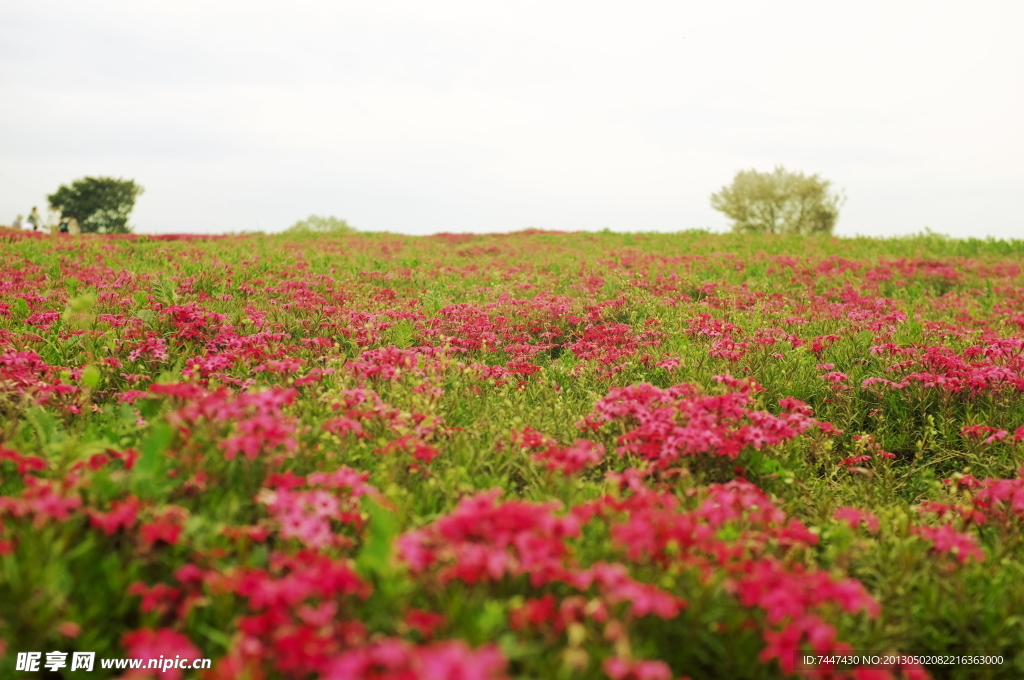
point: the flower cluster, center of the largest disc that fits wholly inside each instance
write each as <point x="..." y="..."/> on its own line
<point x="681" y="421"/>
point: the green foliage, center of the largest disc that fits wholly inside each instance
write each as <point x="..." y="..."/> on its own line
<point x="779" y="202"/>
<point x="100" y="204"/>
<point x="374" y="559"/>
<point x="317" y="224"/>
<point x="149" y="477"/>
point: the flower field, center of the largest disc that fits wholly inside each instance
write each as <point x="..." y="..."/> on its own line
<point x="534" y="455"/>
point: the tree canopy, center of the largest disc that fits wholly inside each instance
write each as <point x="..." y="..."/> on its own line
<point x="100" y="204"/>
<point x="779" y="202"/>
<point x="315" y="224"/>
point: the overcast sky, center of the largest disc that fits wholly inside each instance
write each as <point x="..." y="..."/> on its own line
<point x="429" y="115"/>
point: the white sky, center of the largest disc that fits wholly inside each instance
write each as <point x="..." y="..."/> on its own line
<point x="429" y="115"/>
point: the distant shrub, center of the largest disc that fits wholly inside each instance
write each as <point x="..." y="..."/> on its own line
<point x="100" y="204"/>
<point x="779" y="202"/>
<point x="316" y="224"/>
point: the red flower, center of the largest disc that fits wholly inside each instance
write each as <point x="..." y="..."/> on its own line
<point x="166" y="527"/>
<point x="582" y="454"/>
<point x="24" y="463"/>
<point x="425" y="623"/>
<point x="154" y="644"/>
<point x="392" y="659"/>
<point x="122" y="515"/>
<point x="854" y="516"/>
<point x="946" y="539"/>
<point x="618" y="668"/>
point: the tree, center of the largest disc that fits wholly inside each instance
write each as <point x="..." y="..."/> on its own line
<point x="315" y="224"/>
<point x="100" y="204"/>
<point x="779" y="202"/>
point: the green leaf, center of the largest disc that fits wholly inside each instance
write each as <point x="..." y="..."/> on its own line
<point x="149" y="476"/>
<point x="91" y="376"/>
<point x="82" y="304"/>
<point x="491" y="618"/>
<point x="20" y="307"/>
<point x="374" y="558"/>
<point x="729" y="532"/>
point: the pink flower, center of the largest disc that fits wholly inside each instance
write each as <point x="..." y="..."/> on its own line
<point x="670" y="363"/>
<point x="344" y="426"/>
<point x="529" y="438"/>
<point x="828" y="428"/>
<point x="614" y="582"/>
<point x="122" y="514"/>
<point x="534" y="612"/>
<point x="154" y="644"/>
<point x="455" y="660"/>
<point x="166" y="527"/>
<point x="946" y="539"/>
<point x="413" y="445"/>
<point x="854" y="516"/>
<point x="665" y="424"/>
<point x="979" y="431"/>
<point x="795" y="406"/>
<point x="582" y="454"/>
<point x="485" y="540"/>
<point x="393" y="658"/>
<point x="23" y="463"/>
<point x="42" y="499"/>
<point x="424" y="622"/>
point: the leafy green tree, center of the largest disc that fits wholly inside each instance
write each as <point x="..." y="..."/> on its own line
<point x="315" y="224"/>
<point x="100" y="204"/>
<point x="779" y="202"/>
